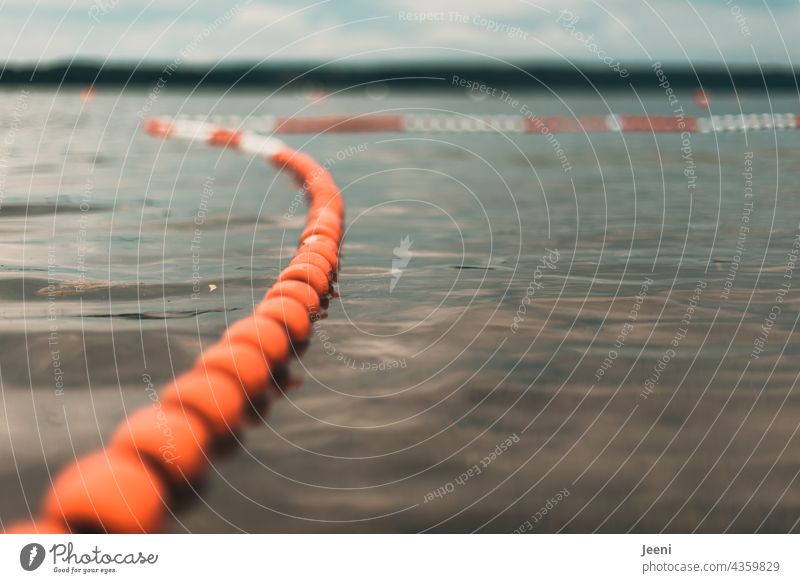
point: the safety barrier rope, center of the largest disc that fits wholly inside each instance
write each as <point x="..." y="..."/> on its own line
<point x="162" y="450"/>
<point x="518" y="124"/>
<point x="131" y="485"/>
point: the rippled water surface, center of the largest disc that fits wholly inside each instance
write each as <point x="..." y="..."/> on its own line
<point x="598" y="341"/>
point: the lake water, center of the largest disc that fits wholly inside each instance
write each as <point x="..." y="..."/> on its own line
<point x="646" y="384"/>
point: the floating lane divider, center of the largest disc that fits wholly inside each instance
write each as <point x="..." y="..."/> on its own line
<point x="516" y="124"/>
<point x="161" y="451"/>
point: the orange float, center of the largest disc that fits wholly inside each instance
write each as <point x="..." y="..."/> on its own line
<point x="242" y="361"/>
<point x="321" y="245"/>
<point x="175" y="441"/>
<point x="263" y="333"/>
<point x="302" y="292"/>
<point x="307" y="273"/>
<point x="107" y="492"/>
<point x="316" y="260"/>
<point x="215" y="396"/>
<point x="290" y="313"/>
<point x="41" y="526"/>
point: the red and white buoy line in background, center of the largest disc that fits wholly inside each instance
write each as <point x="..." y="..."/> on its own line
<point x="453" y="123"/>
<point x="135" y="483"/>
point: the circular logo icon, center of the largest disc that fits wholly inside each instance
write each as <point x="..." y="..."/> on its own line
<point x="31" y="556"/>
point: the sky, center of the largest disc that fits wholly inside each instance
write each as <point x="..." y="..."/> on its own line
<point x="573" y="31"/>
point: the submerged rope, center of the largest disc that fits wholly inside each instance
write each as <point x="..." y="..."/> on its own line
<point x="132" y="485"/>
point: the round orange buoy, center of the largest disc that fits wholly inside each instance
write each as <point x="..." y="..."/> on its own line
<point x="282" y="157"/>
<point x="321" y="187"/>
<point x="314" y="259"/>
<point x="290" y="313"/>
<point x="298" y="290"/>
<point x="323" y="246"/>
<point x="701" y="98"/>
<point x="328" y="217"/>
<point x="241" y="360"/>
<point x="88" y="93"/>
<point x="307" y="273"/>
<point x="225" y="138"/>
<point x="332" y="202"/>
<point x="175" y="440"/>
<point x="107" y="492"/>
<point x="325" y="215"/>
<point x="322" y="229"/>
<point x="157" y="127"/>
<point x="265" y="334"/>
<point x="320" y="238"/>
<point x="215" y="396"/>
<point x="41" y="526"/>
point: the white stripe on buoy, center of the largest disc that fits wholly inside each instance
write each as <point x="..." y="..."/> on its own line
<point x="192" y="130"/>
<point x="260" y="146"/>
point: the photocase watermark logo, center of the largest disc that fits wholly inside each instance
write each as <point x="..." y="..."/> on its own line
<point x="402" y="256"/>
<point x="31" y="556"/>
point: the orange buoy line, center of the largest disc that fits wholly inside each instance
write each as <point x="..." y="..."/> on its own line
<point x="132" y="485"/>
